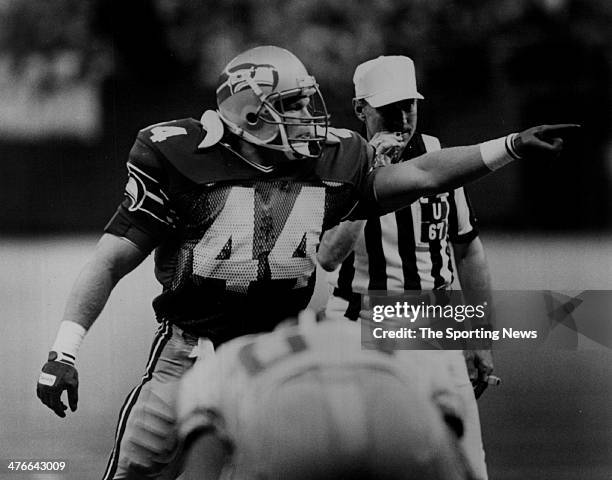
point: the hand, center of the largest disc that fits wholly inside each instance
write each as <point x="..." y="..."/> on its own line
<point x="480" y="365"/>
<point x="54" y="378"/>
<point x="545" y="139"/>
<point x="387" y="146"/>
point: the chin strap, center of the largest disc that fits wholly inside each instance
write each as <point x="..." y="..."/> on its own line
<point x="214" y="129"/>
<point x="214" y="123"/>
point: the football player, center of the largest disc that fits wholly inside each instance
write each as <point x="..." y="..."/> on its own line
<point x="307" y="402"/>
<point x="409" y="249"/>
<point x="234" y="206"/>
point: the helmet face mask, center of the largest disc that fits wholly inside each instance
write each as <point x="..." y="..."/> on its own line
<point x="267" y="97"/>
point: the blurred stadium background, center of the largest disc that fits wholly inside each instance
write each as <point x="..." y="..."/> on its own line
<point x="78" y="78"/>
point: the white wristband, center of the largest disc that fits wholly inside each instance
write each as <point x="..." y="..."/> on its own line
<point x="497" y="153"/>
<point x="68" y="340"/>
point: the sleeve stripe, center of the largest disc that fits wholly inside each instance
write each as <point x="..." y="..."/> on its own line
<point x="167" y="221"/>
<point x="155" y="198"/>
<point x="131" y="166"/>
<point x="510" y="146"/>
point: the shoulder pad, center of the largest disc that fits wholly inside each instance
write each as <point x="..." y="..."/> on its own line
<point x="178" y="143"/>
<point x="334" y="135"/>
<point x="161" y="132"/>
<point x="431" y="143"/>
<point x="213" y="126"/>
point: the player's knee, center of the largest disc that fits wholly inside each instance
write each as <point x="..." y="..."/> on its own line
<point x="145" y="456"/>
<point x="150" y="441"/>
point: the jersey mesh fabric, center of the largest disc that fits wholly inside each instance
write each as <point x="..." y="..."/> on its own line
<point x="240" y="247"/>
<point x="239" y="256"/>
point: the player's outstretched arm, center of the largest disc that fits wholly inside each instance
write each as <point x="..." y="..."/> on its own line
<point x="399" y="185"/>
<point x="113" y="258"/>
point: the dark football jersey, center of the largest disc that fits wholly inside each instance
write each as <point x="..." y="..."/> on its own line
<point x="235" y="246"/>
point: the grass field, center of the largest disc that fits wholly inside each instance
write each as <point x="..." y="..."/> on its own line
<point x="550" y="419"/>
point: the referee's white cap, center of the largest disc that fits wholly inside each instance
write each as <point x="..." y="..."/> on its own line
<point x="385" y="80"/>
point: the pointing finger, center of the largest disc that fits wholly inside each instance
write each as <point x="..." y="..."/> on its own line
<point x="550" y="131"/>
<point x="563" y="126"/>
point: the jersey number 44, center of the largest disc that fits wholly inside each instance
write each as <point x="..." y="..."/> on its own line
<point x="226" y="251"/>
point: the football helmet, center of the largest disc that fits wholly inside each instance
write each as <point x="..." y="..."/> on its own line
<point x="267" y="97"/>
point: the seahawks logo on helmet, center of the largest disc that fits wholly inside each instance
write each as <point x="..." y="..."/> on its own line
<point x="234" y="79"/>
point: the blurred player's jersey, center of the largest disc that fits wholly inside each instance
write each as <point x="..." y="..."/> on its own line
<point x="232" y="239"/>
<point x="304" y="399"/>
<point x="408" y="249"/>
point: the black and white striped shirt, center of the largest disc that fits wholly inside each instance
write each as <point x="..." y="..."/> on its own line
<point x="409" y="249"/>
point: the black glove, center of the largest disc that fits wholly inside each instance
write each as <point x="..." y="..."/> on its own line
<point x="55" y="377"/>
<point x="480" y="365"/>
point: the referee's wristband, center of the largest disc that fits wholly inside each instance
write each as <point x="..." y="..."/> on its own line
<point x="497" y="153"/>
<point x="67" y="342"/>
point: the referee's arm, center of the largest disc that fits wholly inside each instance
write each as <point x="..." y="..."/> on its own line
<point x="337" y="243"/>
<point x="475" y="280"/>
